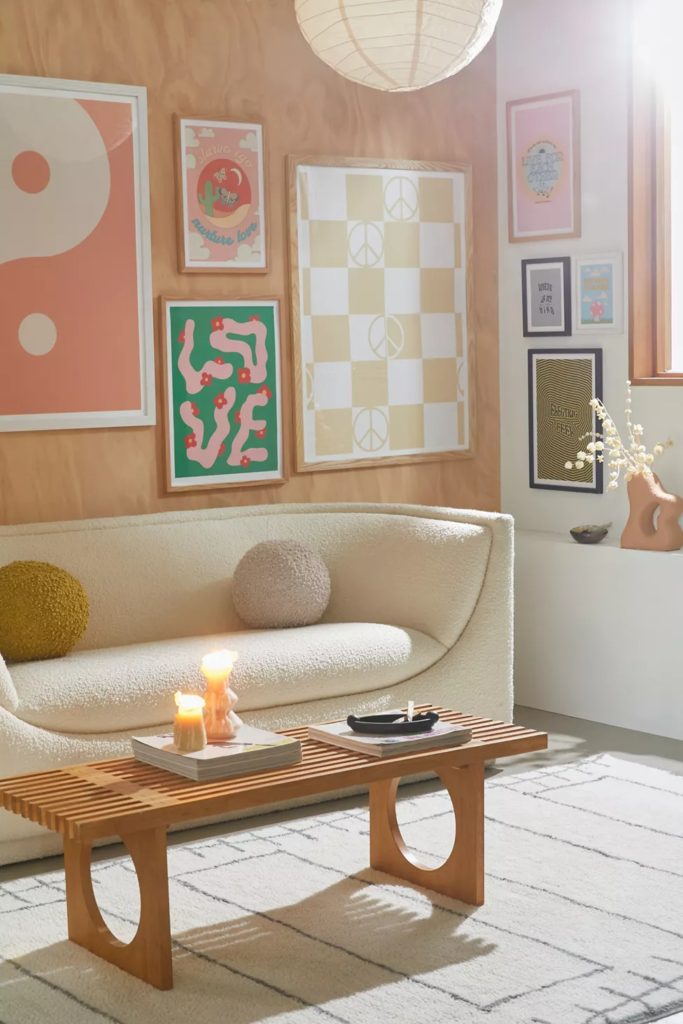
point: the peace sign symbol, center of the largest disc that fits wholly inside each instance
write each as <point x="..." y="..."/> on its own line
<point x="366" y="245"/>
<point x="459" y="373"/>
<point x="400" y="198"/>
<point x="386" y="337"/>
<point x="371" y="430"/>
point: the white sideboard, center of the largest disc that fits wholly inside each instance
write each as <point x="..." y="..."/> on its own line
<point x="599" y="632"/>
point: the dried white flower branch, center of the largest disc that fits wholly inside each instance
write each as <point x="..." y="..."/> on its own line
<point x="634" y="460"/>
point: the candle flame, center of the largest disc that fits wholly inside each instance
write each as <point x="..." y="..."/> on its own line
<point x="219" y="661"/>
<point x="189" y="701"/>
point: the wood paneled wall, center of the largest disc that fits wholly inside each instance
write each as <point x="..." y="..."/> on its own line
<point x="247" y="58"/>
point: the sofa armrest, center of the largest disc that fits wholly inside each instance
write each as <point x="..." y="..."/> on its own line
<point x="9" y="698"/>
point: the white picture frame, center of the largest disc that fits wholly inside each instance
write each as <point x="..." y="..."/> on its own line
<point x="589" y="293"/>
<point x="139" y="292"/>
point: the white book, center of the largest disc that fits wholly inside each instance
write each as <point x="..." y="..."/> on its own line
<point x="251" y="750"/>
<point x="443" y="734"/>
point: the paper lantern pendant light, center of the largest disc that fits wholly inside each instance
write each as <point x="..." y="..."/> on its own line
<point x="397" y="45"/>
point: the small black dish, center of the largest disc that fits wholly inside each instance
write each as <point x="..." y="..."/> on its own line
<point x="393" y="724"/>
<point x="589" y="534"/>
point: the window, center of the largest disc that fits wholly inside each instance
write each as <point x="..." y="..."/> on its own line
<point x="656" y="194"/>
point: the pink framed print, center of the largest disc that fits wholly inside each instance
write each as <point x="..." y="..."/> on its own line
<point x="77" y="330"/>
<point x="544" y="167"/>
<point x="222" y="222"/>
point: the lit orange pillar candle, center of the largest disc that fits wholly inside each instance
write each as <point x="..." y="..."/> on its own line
<point x="220" y="720"/>
<point x="188" y="725"/>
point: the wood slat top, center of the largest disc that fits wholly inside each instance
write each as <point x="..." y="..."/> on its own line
<point x="109" y="798"/>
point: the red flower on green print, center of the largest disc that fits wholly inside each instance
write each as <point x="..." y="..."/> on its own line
<point x="238" y="416"/>
<point x="244" y="461"/>
<point x="261" y="433"/>
<point x="181" y="337"/>
<point x="217" y="323"/>
<point x="221" y="450"/>
<point x="195" y="408"/>
<point x="219" y="360"/>
<point x="205" y="380"/>
<point x="265" y="390"/>
<point x="220" y="400"/>
<point x="244" y="375"/>
<point x="254" y="317"/>
<point x="190" y="441"/>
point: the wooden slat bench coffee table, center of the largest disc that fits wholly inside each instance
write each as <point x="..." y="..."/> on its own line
<point x="138" y="803"/>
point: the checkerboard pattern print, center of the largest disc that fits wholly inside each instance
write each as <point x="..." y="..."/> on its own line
<point x="383" y="312"/>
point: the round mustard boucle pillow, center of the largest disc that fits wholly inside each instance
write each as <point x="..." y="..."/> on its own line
<point x="280" y="583"/>
<point x="43" y="611"/>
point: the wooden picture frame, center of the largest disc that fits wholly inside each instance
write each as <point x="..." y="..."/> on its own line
<point x="561" y="384"/>
<point x="258" y="373"/>
<point x="346" y="322"/>
<point x="547" y="297"/>
<point x="78" y="316"/>
<point x="544" y="167"/>
<point x="240" y="232"/>
<point x="599" y="293"/>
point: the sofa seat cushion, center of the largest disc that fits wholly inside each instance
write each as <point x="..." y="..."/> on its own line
<point x="121" y="688"/>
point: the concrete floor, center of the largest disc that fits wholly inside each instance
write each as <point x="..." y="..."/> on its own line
<point x="568" y="740"/>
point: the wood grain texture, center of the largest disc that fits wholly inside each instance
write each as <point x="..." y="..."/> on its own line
<point x="247" y="59"/>
<point x="461" y="876"/>
<point x="649" y="225"/>
<point x="148" y="954"/>
<point x="118" y="797"/>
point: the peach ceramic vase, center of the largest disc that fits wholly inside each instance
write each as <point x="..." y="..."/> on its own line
<point x="645" y="496"/>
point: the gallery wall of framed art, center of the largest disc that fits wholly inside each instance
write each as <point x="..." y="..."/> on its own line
<point x="276" y="87"/>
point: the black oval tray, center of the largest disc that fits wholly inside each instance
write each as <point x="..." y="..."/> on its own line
<point x="393" y="724"/>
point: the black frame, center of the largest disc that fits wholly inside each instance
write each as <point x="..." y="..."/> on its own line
<point x="597" y="353"/>
<point x="566" y="263"/>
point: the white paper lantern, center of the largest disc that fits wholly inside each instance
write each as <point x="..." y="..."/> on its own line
<point x="397" y="45"/>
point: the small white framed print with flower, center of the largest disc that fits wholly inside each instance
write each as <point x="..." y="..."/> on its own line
<point x="599" y="294"/>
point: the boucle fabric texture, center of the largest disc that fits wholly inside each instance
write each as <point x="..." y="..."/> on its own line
<point x="168" y="575"/>
<point x="133" y="687"/>
<point x="287" y="924"/>
<point x="446" y="573"/>
<point x="280" y="584"/>
<point x="43" y="611"/>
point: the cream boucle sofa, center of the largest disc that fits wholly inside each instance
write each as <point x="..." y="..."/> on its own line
<point x="421" y="608"/>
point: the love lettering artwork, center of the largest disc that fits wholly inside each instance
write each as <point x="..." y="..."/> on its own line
<point x="76" y="333"/>
<point x="221" y="214"/>
<point x="222" y="380"/>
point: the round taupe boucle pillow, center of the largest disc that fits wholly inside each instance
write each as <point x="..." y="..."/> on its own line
<point x="280" y="583"/>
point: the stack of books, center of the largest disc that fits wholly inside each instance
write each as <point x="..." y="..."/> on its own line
<point x="252" y="750"/>
<point x="444" y="734"/>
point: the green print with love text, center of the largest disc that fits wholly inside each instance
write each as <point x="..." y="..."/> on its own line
<point x="224" y="380"/>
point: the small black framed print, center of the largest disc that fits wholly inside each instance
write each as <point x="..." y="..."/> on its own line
<point x="546" y="297"/>
<point x="562" y="383"/>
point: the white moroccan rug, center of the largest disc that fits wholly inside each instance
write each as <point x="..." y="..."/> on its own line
<point x="583" y="921"/>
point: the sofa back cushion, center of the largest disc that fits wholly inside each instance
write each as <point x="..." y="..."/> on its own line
<point x="169" y="575"/>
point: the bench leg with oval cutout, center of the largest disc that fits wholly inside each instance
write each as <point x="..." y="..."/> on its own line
<point x="148" y="954"/>
<point x="461" y="876"/>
